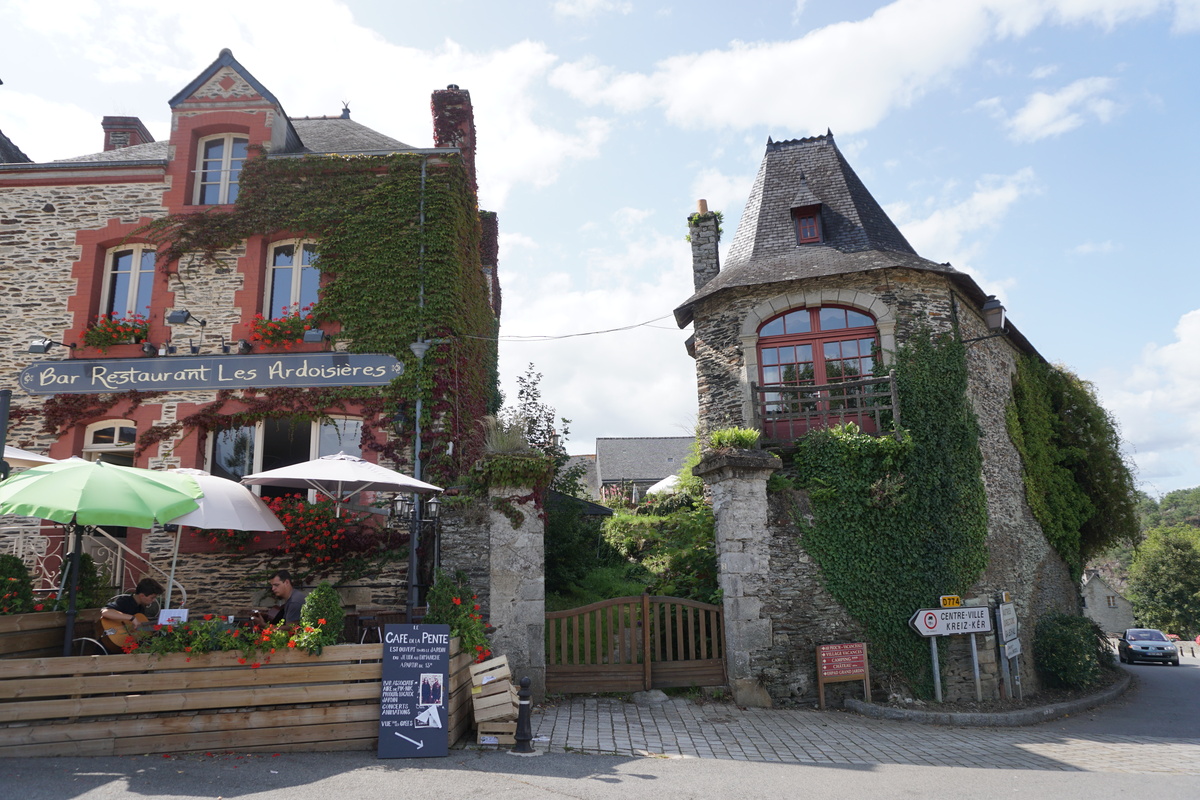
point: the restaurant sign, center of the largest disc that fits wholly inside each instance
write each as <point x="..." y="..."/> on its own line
<point x="184" y="373"/>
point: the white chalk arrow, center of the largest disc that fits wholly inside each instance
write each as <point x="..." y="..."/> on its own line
<point x="414" y="741"/>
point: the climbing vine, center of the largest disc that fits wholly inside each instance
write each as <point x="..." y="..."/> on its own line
<point x="899" y="522"/>
<point x="1077" y="483"/>
<point x="398" y="239"/>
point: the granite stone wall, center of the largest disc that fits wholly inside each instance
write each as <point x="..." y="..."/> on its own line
<point x="800" y="613"/>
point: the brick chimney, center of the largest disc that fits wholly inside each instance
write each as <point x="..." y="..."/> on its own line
<point x="124" y="132"/>
<point x="454" y="125"/>
<point x="704" y="230"/>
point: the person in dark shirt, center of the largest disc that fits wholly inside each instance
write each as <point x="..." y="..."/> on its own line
<point x="280" y="584"/>
<point x="142" y="599"/>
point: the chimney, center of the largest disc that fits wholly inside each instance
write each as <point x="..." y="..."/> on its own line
<point x="704" y="231"/>
<point x="454" y="125"/>
<point x="124" y="132"/>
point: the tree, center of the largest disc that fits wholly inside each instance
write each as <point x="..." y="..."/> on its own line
<point x="1164" y="580"/>
<point x="1180" y="507"/>
<point x="538" y="421"/>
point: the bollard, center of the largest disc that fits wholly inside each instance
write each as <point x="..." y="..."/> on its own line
<point x="524" y="737"/>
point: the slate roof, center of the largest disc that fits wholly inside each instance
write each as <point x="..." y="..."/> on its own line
<point x="150" y="151"/>
<point x="857" y="234"/>
<point x="342" y="135"/>
<point x="10" y="153"/>
<point x="640" y="459"/>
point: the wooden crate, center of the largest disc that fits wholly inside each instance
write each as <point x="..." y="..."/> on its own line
<point x="494" y="669"/>
<point x="498" y="733"/>
<point x="489" y="689"/>
<point x="499" y="706"/>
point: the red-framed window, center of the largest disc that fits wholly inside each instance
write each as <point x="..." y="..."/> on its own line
<point x="808" y="224"/>
<point x="813" y="347"/>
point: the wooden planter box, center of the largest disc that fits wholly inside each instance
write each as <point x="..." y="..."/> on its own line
<point x="40" y="634"/>
<point x="130" y="704"/>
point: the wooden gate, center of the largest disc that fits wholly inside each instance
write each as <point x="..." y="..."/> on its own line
<point x="635" y="643"/>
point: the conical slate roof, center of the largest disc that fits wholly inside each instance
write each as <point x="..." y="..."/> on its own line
<point x="856" y="234"/>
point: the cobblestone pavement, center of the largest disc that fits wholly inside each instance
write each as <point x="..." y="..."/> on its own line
<point x="680" y="728"/>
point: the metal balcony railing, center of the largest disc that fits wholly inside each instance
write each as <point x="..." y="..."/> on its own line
<point x="786" y="412"/>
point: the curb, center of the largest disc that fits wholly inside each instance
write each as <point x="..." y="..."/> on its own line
<point x="1001" y="719"/>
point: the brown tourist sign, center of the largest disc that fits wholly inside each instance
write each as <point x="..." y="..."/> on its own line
<point x="184" y="373"/>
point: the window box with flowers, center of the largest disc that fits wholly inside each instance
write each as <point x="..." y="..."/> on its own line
<point x="109" y="330"/>
<point x="286" y="331"/>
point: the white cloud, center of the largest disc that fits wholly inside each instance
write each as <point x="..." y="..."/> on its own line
<point x="1158" y="405"/>
<point x="637" y="382"/>
<point x="1043" y="72"/>
<point x="1092" y="248"/>
<point x="589" y="8"/>
<point x="25" y="118"/>
<point x="953" y="230"/>
<point x="724" y="193"/>
<point x="1054" y="114"/>
<point x="902" y="51"/>
<point x="1187" y="16"/>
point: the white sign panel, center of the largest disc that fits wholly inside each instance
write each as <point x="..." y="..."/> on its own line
<point x="1012" y="649"/>
<point x="1008" y="622"/>
<point x="951" y="621"/>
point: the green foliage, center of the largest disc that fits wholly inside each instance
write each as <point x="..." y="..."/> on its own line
<point x="539" y="423"/>
<point x="740" y="438"/>
<point x="697" y="218"/>
<point x="690" y="484"/>
<point x="1164" y="580"/>
<point x="1180" y="507"/>
<point x="92" y="590"/>
<point x="407" y="222"/>
<point x="16" y="588"/>
<point x="322" y="619"/>
<point x="601" y="583"/>
<point x="450" y="601"/>
<point x="677" y="550"/>
<point x="1070" y="652"/>
<point x="900" y="522"/>
<point x="1077" y="483"/>
<point x="574" y="544"/>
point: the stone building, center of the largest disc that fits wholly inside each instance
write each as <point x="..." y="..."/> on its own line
<point x="208" y="363"/>
<point x="1104" y="605"/>
<point x="819" y="283"/>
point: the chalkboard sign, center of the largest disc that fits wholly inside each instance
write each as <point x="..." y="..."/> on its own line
<point x="413" y="704"/>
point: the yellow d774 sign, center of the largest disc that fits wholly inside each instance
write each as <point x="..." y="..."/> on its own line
<point x="951" y="601"/>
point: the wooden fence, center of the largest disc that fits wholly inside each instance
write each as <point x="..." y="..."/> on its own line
<point x="635" y="643"/>
<point x="41" y="633"/>
<point x="130" y="704"/>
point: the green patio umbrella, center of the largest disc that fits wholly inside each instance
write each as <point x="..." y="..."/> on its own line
<point x="82" y="494"/>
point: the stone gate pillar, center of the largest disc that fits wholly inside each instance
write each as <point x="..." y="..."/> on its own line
<point x="518" y="584"/>
<point x="738" y="483"/>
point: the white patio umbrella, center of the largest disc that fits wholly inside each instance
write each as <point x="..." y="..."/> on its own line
<point x="665" y="486"/>
<point x="341" y="477"/>
<point x="16" y="457"/>
<point x="225" y="504"/>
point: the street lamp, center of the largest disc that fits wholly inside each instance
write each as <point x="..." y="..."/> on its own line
<point x="419" y="348"/>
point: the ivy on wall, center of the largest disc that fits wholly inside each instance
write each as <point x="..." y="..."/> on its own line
<point x="898" y="523"/>
<point x="398" y="238"/>
<point x="1077" y="484"/>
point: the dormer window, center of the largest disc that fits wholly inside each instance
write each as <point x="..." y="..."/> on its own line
<point x="219" y="164"/>
<point x="808" y="224"/>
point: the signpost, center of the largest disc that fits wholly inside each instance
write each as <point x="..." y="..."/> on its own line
<point x="952" y="621"/>
<point x="413" y="702"/>
<point x="1009" y="643"/>
<point x="842" y="662"/>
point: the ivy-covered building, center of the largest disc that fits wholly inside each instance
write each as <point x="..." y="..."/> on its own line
<point x="823" y="314"/>
<point x="247" y="293"/>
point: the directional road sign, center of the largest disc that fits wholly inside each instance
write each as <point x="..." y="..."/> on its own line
<point x="951" y="621"/>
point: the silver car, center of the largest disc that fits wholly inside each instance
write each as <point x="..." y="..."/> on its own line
<point x="1147" y="644"/>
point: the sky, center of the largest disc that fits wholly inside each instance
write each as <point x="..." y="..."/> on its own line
<point x="1045" y="147"/>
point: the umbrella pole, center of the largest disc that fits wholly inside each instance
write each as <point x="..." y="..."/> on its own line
<point x="72" y="573"/>
<point x="174" y="560"/>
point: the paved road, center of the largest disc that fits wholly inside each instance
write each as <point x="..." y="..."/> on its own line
<point x="602" y="748"/>
<point x="1163" y="701"/>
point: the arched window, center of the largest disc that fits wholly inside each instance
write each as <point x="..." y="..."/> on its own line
<point x="218" y="167"/>
<point x="814" y="347"/>
<point x="128" y="281"/>
<point x="294" y="280"/>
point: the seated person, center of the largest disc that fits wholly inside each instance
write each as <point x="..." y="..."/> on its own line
<point x="281" y="586"/>
<point x="142" y="599"/>
<point x="119" y="618"/>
